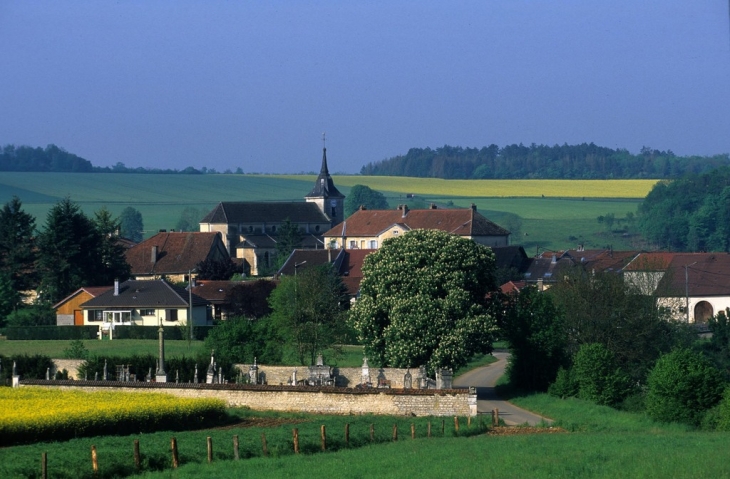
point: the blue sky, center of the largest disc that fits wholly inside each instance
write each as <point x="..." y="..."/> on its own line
<point x="171" y="84"/>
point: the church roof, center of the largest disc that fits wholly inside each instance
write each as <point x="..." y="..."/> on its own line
<point x="324" y="187"/>
<point x="265" y="212"/>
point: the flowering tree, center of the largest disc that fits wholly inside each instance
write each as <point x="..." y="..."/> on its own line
<point x="424" y="300"/>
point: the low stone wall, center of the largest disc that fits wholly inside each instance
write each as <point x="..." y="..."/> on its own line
<point x="70" y="365"/>
<point x="324" y="400"/>
<point x="344" y="377"/>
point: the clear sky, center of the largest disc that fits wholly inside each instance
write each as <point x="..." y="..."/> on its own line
<point x="254" y="84"/>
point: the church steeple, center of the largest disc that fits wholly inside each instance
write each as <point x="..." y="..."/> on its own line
<point x="324" y="187"/>
<point x="326" y="195"/>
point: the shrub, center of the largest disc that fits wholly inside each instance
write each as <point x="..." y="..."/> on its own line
<point x="681" y="387"/>
<point x="76" y="350"/>
<point x="564" y="385"/>
<point x="598" y="377"/>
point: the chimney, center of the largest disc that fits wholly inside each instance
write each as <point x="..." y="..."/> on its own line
<point x="432" y="206"/>
<point x="474" y="207"/>
<point x="540" y="286"/>
<point x="116" y="286"/>
<point x="153" y="256"/>
<point x="363" y="208"/>
<point x="405" y="210"/>
<point x="554" y="259"/>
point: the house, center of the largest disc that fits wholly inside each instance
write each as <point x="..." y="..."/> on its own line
<point x="367" y="229"/>
<point x="249" y="229"/>
<point x="231" y="298"/>
<point x="173" y="255"/>
<point x="696" y="286"/>
<point x="346" y="263"/>
<point x="68" y="310"/>
<point x="144" y="303"/>
<point x="551" y="266"/>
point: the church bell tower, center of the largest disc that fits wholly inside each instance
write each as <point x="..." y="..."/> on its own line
<point x="326" y="196"/>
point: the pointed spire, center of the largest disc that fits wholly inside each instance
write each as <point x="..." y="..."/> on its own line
<point x="324" y="187"/>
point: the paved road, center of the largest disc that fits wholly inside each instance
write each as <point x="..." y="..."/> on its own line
<point x="484" y="379"/>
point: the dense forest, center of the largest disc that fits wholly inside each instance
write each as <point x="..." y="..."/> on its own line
<point x="52" y="158"/>
<point x="55" y="159"/>
<point x="689" y="214"/>
<point x="585" y="161"/>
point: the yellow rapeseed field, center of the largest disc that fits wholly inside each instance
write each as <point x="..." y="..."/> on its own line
<point x="33" y="413"/>
<point x="498" y="188"/>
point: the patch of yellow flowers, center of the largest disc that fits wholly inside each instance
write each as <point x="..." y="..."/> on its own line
<point x="32" y="414"/>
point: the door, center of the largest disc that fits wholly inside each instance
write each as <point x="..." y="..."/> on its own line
<point x="78" y="317"/>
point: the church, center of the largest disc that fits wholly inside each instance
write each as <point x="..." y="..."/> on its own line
<point x="249" y="229"/>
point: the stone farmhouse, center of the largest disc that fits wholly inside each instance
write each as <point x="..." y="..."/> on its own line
<point x="173" y="255"/>
<point x="249" y="229"/>
<point x="367" y="229"/>
<point x="693" y="286"/>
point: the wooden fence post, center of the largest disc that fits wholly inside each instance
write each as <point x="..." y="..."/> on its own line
<point x="468" y="421"/>
<point x="495" y="417"/>
<point x="295" y="433"/>
<point x="456" y="423"/>
<point x="235" y="448"/>
<point x="413" y="431"/>
<point x="347" y="434"/>
<point x="175" y="458"/>
<point x="429" y="428"/>
<point x="137" y="461"/>
<point x="263" y="444"/>
<point x="44" y="465"/>
<point x="395" y="432"/>
<point x="372" y="432"/>
<point x="94" y="460"/>
<point x="210" y="449"/>
<point x="323" y="434"/>
<point x="443" y="427"/>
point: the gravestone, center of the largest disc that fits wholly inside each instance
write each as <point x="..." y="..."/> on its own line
<point x="253" y="373"/>
<point x="210" y="375"/>
<point x="408" y="379"/>
<point x="365" y="376"/>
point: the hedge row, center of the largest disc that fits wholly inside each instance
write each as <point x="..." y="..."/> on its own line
<point x="150" y="332"/>
<point x="90" y="332"/>
<point x="28" y="367"/>
<point x="51" y="332"/>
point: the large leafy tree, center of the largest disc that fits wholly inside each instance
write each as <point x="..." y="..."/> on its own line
<point x="361" y="195"/>
<point x="424" y="300"/>
<point x="113" y="263"/>
<point x="216" y="269"/>
<point x="287" y="239"/>
<point x="130" y="222"/>
<point x="309" y="312"/>
<point x="602" y="308"/>
<point x="70" y="251"/>
<point x="17" y="246"/>
<point x="189" y="219"/>
<point x="534" y="329"/>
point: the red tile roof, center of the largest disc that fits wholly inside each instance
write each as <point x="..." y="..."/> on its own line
<point x="177" y="253"/>
<point x="463" y="222"/>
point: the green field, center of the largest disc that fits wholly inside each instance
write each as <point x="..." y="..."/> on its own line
<point x="549" y="214"/>
<point x="588" y="441"/>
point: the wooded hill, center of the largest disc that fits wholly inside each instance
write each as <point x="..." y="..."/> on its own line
<point x="585" y="161"/>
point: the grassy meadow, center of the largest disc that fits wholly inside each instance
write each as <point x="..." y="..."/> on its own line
<point x="587" y="441"/>
<point x="549" y="214"/>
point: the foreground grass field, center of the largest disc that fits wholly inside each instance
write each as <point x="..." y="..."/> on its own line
<point x="551" y="214"/>
<point x="595" y="442"/>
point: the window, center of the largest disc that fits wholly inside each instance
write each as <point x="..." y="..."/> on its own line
<point x="146" y="312"/>
<point x="395" y="232"/>
<point x="171" y="315"/>
<point x="373" y="244"/>
<point x="353" y="244"/>
<point x="273" y="229"/>
<point x="95" y="316"/>
<point x="250" y="228"/>
<point x="118" y="317"/>
<point x="316" y="228"/>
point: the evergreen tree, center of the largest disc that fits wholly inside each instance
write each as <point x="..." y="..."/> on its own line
<point x="113" y="263"/>
<point x="17" y="246"/>
<point x="130" y="222"/>
<point x="70" y="252"/>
